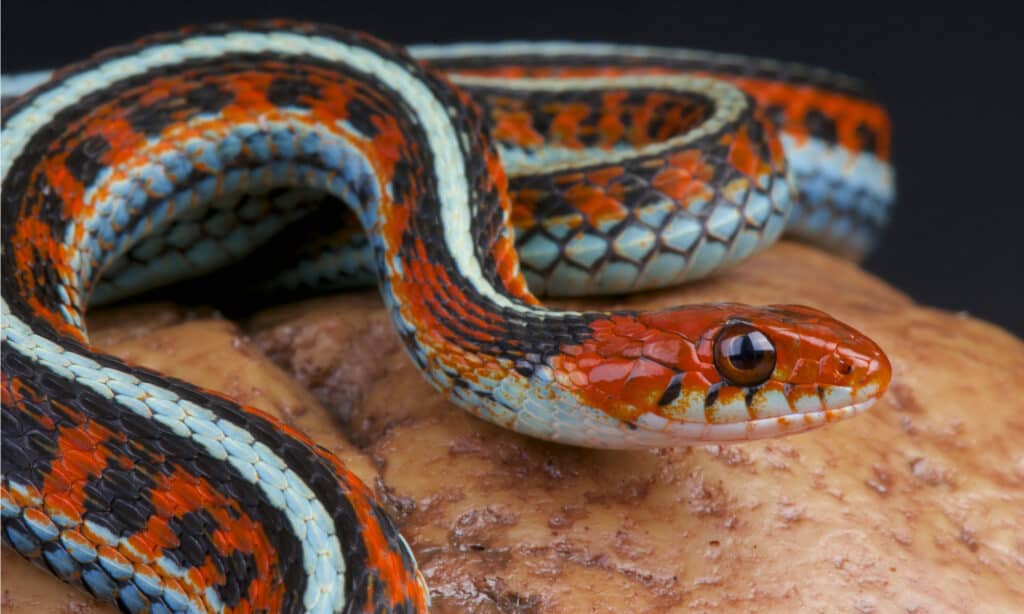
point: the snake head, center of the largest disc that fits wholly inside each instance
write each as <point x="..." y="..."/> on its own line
<point x="725" y="372"/>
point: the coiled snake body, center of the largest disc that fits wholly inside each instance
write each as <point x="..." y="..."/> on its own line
<point x="470" y="173"/>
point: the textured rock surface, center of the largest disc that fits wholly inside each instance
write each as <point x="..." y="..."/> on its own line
<point x="916" y="506"/>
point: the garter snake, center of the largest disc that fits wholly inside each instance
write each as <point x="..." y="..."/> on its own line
<point x="473" y="174"/>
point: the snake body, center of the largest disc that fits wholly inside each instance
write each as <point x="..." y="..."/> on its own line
<point x="470" y="175"/>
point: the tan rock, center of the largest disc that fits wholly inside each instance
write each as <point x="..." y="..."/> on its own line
<point x="916" y="506"/>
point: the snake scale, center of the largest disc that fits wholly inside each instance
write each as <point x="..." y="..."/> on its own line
<point x="466" y="179"/>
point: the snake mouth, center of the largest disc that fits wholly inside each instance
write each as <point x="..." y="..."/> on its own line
<point x="761" y="428"/>
<point x="695" y="433"/>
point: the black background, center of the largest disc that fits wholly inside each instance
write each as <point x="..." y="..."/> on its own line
<point x="952" y="83"/>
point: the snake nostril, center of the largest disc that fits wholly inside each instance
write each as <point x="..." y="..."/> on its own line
<point x="844" y="368"/>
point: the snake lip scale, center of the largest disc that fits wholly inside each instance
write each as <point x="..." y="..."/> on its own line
<point x="466" y="180"/>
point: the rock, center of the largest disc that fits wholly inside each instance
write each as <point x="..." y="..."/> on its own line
<point x="915" y="506"/>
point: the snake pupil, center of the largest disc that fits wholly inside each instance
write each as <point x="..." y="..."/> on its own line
<point x="745" y="354"/>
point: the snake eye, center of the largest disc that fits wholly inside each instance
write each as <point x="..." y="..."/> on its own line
<point x="744" y="355"/>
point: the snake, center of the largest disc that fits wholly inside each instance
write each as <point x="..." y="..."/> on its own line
<point x="467" y="179"/>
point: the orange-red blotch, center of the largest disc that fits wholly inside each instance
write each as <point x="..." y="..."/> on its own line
<point x="742" y="155"/>
<point x="516" y="128"/>
<point x="565" y="125"/>
<point x="595" y="204"/>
